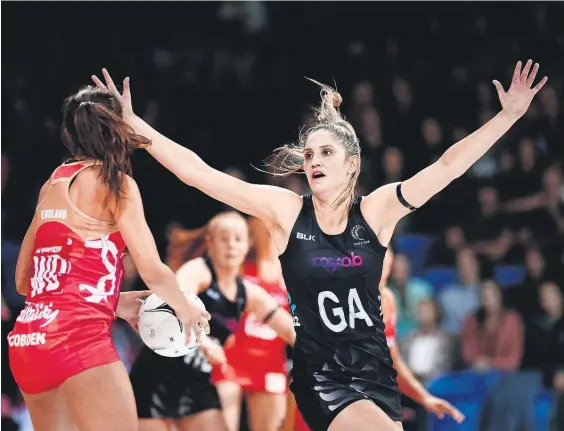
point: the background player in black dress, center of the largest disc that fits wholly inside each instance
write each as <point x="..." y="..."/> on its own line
<point x="179" y="389"/>
<point x="335" y="232"/>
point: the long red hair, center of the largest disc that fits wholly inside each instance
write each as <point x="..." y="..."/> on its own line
<point x="188" y="244"/>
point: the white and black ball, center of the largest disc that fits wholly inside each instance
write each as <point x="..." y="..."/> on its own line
<point x="161" y="330"/>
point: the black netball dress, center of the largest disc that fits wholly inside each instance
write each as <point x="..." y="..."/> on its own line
<point x="340" y="355"/>
<point x="178" y="387"/>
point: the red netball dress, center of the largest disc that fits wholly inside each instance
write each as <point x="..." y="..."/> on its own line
<point x="73" y="291"/>
<point x="255" y="354"/>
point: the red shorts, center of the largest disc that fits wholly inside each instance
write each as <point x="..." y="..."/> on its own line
<point x="43" y="361"/>
<point x="272" y="382"/>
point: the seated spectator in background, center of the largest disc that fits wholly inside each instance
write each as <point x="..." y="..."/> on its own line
<point x="408" y="291"/>
<point x="543" y="210"/>
<point x="458" y="301"/>
<point x="434" y="144"/>
<point x="493" y="336"/>
<point x="545" y="334"/>
<point x="527" y="174"/>
<point x="392" y="166"/>
<point x="444" y="251"/>
<point x="524" y="297"/>
<point x="427" y="350"/>
<point x="488" y="232"/>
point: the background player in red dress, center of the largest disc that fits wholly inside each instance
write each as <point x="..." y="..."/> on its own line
<point x="181" y="388"/>
<point x="256" y="356"/>
<point x="69" y="267"/>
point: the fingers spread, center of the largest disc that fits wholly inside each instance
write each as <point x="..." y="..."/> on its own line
<point x="533" y="75"/>
<point x="525" y="71"/>
<point x="98" y="83"/>
<point x="110" y="82"/>
<point x="537" y="87"/>
<point x="516" y="73"/>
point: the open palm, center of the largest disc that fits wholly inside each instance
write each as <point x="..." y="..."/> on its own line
<point x="124" y="98"/>
<point x="517" y="99"/>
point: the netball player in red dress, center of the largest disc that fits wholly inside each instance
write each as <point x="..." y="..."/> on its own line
<point x="256" y="356"/>
<point x="69" y="269"/>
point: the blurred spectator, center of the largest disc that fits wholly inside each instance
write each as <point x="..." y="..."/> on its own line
<point x="446" y="249"/>
<point x="362" y="100"/>
<point x="493" y="336"/>
<point x="432" y="135"/>
<point x="545" y="334"/>
<point x="408" y="291"/>
<point x="526" y="175"/>
<point x="370" y="134"/>
<point x="392" y="166"/>
<point x="549" y="102"/>
<point x="370" y="130"/>
<point x="427" y="350"/>
<point x="488" y="233"/>
<point x="524" y="297"/>
<point x="543" y="210"/>
<point x="402" y="95"/>
<point x="363" y="96"/>
<point x="458" y="301"/>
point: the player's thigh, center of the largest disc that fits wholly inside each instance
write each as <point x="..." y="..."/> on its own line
<point x="363" y="415"/>
<point x="230" y="396"/>
<point x="207" y="420"/>
<point x="154" y="425"/>
<point x="266" y="411"/>
<point x="48" y="411"/>
<point x="101" y="398"/>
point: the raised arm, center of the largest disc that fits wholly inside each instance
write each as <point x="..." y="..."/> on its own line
<point x="275" y="206"/>
<point x="141" y="245"/>
<point x="267" y="310"/>
<point x="386" y="206"/>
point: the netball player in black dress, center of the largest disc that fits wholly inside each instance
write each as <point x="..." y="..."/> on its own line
<point x="179" y="390"/>
<point x="332" y="245"/>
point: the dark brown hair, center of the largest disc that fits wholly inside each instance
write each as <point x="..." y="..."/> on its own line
<point x="94" y="129"/>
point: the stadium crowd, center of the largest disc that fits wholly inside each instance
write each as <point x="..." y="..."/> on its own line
<point x="479" y="271"/>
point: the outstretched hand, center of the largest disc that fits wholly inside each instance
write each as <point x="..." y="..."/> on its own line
<point x="124" y="98"/>
<point x="441" y="408"/>
<point x="517" y="99"/>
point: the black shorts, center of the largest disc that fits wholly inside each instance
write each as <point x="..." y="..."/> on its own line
<point x="319" y="404"/>
<point x="170" y="388"/>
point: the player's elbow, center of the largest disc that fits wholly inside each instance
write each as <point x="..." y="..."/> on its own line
<point x="451" y="168"/>
<point x="21" y="288"/>
<point x="194" y="173"/>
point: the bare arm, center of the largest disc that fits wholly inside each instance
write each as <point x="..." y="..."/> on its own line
<point x="141" y="244"/>
<point x="275" y="206"/>
<point x="24" y="263"/>
<point x="194" y="276"/>
<point x="407" y="382"/>
<point x="268" y="203"/>
<point x="265" y="307"/>
<point x="454" y="162"/>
